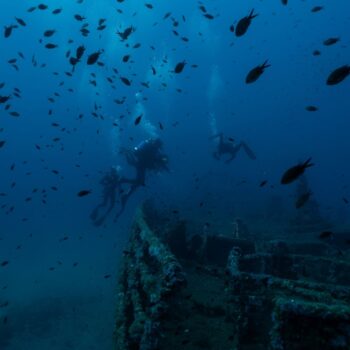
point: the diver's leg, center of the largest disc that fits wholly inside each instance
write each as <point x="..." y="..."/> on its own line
<point x="112" y="203"/>
<point x="248" y="151"/>
<point x="94" y="213"/>
<point x="111" y="199"/>
<point x="124" y="199"/>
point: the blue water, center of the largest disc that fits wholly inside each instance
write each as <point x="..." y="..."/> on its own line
<point x="57" y="293"/>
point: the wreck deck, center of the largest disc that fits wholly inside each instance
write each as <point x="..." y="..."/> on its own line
<point x="178" y="291"/>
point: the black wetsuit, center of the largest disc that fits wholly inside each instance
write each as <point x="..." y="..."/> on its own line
<point x="231" y="148"/>
<point x="146" y="157"/>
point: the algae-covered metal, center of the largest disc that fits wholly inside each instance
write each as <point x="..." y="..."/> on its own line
<point x="180" y="290"/>
<point x="149" y="276"/>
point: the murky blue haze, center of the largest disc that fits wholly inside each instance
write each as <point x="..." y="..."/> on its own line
<point x="55" y="280"/>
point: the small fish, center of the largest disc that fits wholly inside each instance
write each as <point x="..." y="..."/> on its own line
<point x="4" y="263"/>
<point x="79" y="18"/>
<point x="8" y="30"/>
<point x="317" y="8"/>
<point x="311" y="108"/>
<point x="208" y="16"/>
<point x="138" y="119"/>
<point x="20" y="22"/>
<point x="263" y="183"/>
<point x="338" y="75"/>
<point x="4" y="99"/>
<point x="126" y="81"/>
<point x="179" y="67"/>
<point x="126" y="58"/>
<point x="256" y="72"/>
<point x="49" y="32"/>
<point x="83" y="193"/>
<point x="2" y="143"/>
<point x="244" y="23"/>
<point x="51" y="46"/>
<point x="56" y="11"/>
<point x="126" y="33"/>
<point x="331" y="41"/>
<point x="93" y="58"/>
<point x="295" y="172"/>
<point x="42" y="7"/>
<point x="80" y="52"/>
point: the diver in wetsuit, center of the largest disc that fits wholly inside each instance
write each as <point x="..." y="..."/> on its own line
<point x="111" y="183"/>
<point x="145" y="157"/>
<point x="229" y="147"/>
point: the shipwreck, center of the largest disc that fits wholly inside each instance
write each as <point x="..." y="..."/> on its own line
<point x="181" y="290"/>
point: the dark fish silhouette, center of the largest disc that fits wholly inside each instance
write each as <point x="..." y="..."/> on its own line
<point x="80" y="52"/>
<point x="338" y="75"/>
<point x="317" y="8"/>
<point x="4" y="99"/>
<point x="138" y="119"/>
<point x="93" y="58"/>
<point x="20" y="21"/>
<point x="179" y="67"/>
<point x="79" y="18"/>
<point x="244" y="23"/>
<point x="294" y="172"/>
<point x="256" y="72"/>
<point x="57" y="11"/>
<point x="49" y="32"/>
<point x="331" y="41"/>
<point x="311" y="108"/>
<point x="126" y="33"/>
<point x="42" y="7"/>
<point x="8" y="30"/>
<point x="51" y="46"/>
<point x="126" y="81"/>
<point x="83" y="193"/>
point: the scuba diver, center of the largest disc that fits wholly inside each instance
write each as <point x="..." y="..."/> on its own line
<point x="145" y="157"/>
<point x="111" y="182"/>
<point x="229" y="147"/>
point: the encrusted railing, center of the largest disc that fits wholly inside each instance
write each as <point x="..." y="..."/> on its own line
<point x="150" y="276"/>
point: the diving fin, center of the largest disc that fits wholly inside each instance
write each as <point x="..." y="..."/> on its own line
<point x="248" y="151"/>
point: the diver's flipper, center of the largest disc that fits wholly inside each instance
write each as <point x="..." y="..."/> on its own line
<point x="94" y="214"/>
<point x="248" y="151"/>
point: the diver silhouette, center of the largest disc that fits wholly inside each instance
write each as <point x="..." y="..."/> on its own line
<point x="111" y="183"/>
<point x="231" y="148"/>
<point x="144" y="158"/>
